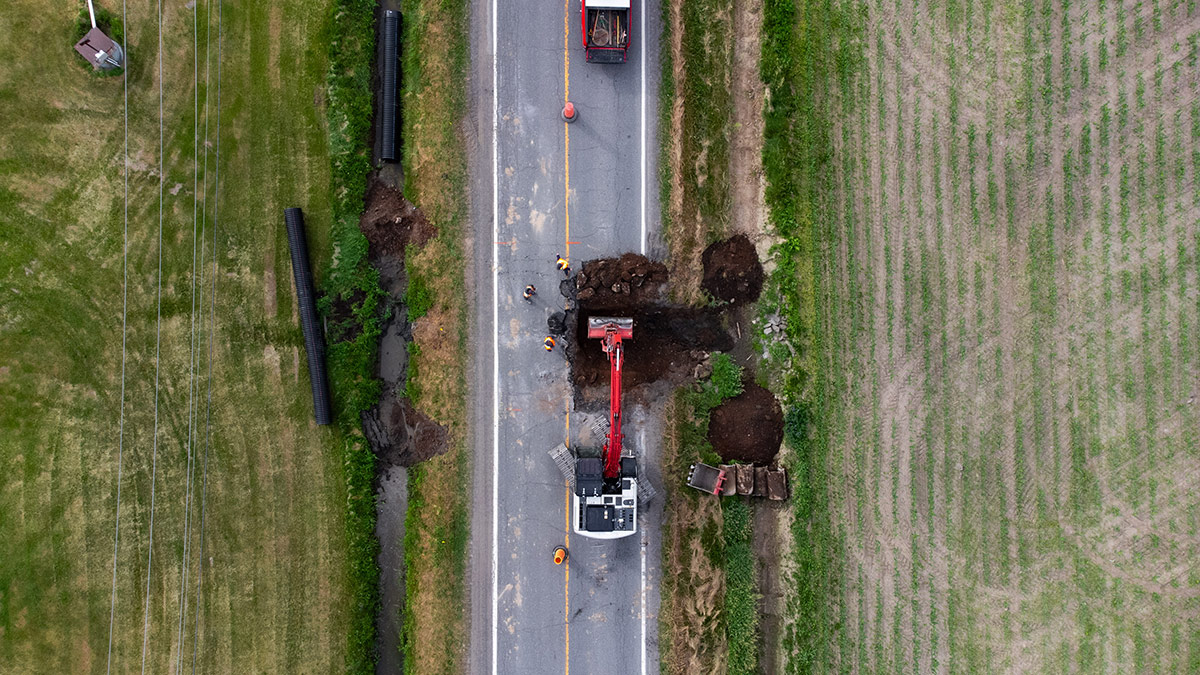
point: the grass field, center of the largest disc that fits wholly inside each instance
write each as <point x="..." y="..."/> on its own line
<point x="1006" y="369"/>
<point x="268" y="577"/>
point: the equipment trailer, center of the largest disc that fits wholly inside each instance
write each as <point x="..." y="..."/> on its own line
<point x="605" y="30"/>
<point x="604" y="504"/>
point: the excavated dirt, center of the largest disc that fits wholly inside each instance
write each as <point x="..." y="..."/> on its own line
<point x="399" y="434"/>
<point x="670" y="342"/>
<point x="748" y="427"/>
<point x="732" y="271"/>
<point x="616" y="283"/>
<point x="390" y="222"/>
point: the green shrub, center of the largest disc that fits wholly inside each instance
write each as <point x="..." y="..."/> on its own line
<point x="418" y="296"/>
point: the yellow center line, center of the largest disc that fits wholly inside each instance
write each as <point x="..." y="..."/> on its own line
<point x="567" y="254"/>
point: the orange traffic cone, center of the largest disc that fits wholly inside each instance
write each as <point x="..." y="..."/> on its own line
<point x="560" y="555"/>
<point x="569" y="113"/>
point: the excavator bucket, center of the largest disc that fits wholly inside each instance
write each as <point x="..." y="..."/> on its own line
<point x="598" y="326"/>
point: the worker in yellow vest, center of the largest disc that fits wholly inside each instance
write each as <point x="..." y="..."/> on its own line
<point x="548" y="343"/>
<point x="564" y="266"/>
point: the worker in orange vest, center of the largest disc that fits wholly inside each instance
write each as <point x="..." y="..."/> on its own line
<point x="564" y="266"/>
<point x="529" y="292"/>
<point x="548" y="343"/>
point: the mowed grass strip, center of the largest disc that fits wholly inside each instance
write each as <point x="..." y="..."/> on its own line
<point x="434" y="98"/>
<point x="1048" y="279"/>
<point x="273" y="596"/>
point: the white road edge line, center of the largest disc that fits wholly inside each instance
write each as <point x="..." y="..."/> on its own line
<point x="495" y="341"/>
<point x="112" y="609"/>
<point x="643" y="50"/>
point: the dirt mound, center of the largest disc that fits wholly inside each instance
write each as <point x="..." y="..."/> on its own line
<point x="747" y="428"/>
<point x="390" y="221"/>
<point x="732" y="271"/>
<point x="612" y="283"/>
<point x="401" y="435"/>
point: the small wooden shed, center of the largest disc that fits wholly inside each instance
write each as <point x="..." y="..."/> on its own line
<point x="100" y="50"/>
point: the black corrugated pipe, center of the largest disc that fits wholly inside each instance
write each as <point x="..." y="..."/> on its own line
<point x="314" y="336"/>
<point x="387" y="109"/>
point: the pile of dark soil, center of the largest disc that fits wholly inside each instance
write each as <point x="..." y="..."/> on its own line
<point x="400" y="434"/>
<point x="732" y="271"/>
<point x="748" y="427"/>
<point x="390" y="221"/>
<point x="616" y="283"/>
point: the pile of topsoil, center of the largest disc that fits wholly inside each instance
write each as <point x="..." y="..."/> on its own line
<point x="747" y="427"/>
<point x="731" y="270"/>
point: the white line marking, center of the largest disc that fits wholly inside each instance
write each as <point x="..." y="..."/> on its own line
<point x="645" y="540"/>
<point x="643" y="50"/>
<point x="212" y="319"/>
<point x="112" y="610"/>
<point x="157" y="353"/>
<point x="495" y="341"/>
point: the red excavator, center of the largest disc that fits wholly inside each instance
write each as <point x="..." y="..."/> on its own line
<point x="605" y="499"/>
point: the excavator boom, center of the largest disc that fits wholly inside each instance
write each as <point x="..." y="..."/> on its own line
<point x="612" y="331"/>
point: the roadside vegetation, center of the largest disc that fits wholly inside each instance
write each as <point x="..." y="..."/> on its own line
<point x="272" y="593"/>
<point x="694" y="121"/>
<point x="435" y="172"/>
<point x="807" y="46"/>
<point x="352" y="304"/>
<point x="708" y="618"/>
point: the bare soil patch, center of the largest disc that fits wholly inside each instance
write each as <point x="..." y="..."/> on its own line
<point x="747" y="427"/>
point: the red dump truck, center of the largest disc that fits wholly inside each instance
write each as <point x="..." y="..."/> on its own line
<point x="606" y="30"/>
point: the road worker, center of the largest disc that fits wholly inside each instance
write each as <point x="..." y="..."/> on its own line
<point x="529" y="292"/>
<point x="564" y="266"/>
<point x="548" y="343"/>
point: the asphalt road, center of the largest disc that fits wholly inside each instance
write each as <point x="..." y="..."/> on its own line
<point x="541" y="188"/>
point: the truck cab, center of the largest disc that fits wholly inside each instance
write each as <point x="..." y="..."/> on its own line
<point x="605" y="30"/>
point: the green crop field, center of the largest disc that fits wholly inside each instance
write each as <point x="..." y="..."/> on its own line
<point x="208" y="423"/>
<point x="1008" y="372"/>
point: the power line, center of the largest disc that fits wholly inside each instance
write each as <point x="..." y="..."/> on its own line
<point x="212" y="326"/>
<point x="187" y="501"/>
<point x="112" y="608"/>
<point x="157" y="350"/>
